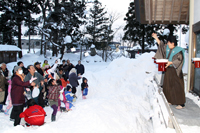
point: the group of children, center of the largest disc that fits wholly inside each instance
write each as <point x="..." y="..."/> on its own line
<point x="35" y="114"/>
<point x="58" y="91"/>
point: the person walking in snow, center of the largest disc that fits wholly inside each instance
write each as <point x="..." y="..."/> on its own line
<point x="17" y="94"/>
<point x="84" y="88"/>
<point x="73" y="79"/>
<point x="53" y="96"/>
<point x="34" y="114"/>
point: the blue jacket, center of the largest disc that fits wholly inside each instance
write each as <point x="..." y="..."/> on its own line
<point x="69" y="96"/>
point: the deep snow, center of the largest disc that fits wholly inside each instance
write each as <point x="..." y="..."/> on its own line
<point x="121" y="99"/>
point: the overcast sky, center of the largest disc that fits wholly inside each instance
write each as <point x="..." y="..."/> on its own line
<point x="118" y="6"/>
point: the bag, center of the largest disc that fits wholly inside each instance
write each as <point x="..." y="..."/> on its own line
<point x="85" y="91"/>
<point x="61" y="97"/>
<point x="36" y="92"/>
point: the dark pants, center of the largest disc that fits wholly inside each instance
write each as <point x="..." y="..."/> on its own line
<point x="73" y="90"/>
<point x="6" y="94"/>
<point x="16" y="111"/>
<point x="55" y="109"/>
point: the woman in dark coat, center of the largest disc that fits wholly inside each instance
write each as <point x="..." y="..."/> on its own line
<point x="73" y="79"/>
<point x="17" y="94"/>
<point x="173" y="85"/>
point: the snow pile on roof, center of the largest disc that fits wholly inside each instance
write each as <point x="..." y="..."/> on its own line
<point x="67" y="39"/>
<point x="92" y="46"/>
<point x="9" y="48"/>
<point x="95" y="58"/>
<point x="136" y="47"/>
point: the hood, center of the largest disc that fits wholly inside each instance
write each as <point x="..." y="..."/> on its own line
<point x="84" y="79"/>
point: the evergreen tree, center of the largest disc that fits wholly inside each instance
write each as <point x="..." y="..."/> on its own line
<point x="18" y="11"/>
<point x="97" y="26"/>
<point x="136" y="32"/>
<point x="65" y="20"/>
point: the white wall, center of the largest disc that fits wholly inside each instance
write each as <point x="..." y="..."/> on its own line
<point x="196" y="11"/>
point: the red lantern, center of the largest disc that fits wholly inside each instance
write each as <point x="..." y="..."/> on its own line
<point x="161" y="64"/>
<point x="196" y="62"/>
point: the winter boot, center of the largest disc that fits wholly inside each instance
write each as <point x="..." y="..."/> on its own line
<point x="53" y="117"/>
<point x="6" y="112"/>
<point x="58" y="108"/>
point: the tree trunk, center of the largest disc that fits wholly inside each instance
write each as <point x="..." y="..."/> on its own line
<point x="41" y="48"/>
<point x="81" y="53"/>
<point x="19" y="39"/>
<point x="143" y="33"/>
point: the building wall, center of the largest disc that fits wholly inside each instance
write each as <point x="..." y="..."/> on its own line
<point x="196" y="11"/>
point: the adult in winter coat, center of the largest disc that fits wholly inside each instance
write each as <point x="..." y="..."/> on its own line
<point x="34" y="114"/>
<point x="38" y="68"/>
<point x="17" y="94"/>
<point x="73" y="79"/>
<point x="6" y="74"/>
<point x="3" y="82"/>
<point x="80" y="68"/>
<point x="173" y="85"/>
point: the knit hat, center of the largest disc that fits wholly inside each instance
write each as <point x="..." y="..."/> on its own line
<point x="16" y="68"/>
<point x="68" y="87"/>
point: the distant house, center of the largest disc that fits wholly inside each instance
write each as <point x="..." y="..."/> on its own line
<point x="8" y="53"/>
<point x="34" y="40"/>
<point x="113" y="45"/>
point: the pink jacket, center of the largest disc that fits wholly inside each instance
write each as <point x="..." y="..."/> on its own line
<point x="9" y="89"/>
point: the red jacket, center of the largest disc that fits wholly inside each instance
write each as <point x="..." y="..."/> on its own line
<point x="34" y="115"/>
<point x="17" y="90"/>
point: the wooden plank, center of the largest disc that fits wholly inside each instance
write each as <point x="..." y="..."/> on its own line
<point x="172" y="8"/>
<point x="187" y="18"/>
<point x="155" y="12"/>
<point x="150" y="16"/>
<point x="180" y="11"/>
<point x="163" y="11"/>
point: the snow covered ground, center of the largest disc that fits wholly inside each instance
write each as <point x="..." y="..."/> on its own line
<point x="121" y="99"/>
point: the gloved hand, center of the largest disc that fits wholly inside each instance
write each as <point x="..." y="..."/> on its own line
<point x="32" y="79"/>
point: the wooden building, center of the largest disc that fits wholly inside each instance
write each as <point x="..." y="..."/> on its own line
<point x="8" y="53"/>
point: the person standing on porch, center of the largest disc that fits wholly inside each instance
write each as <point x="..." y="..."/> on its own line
<point x="173" y="85"/>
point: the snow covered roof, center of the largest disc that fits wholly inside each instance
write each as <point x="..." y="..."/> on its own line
<point x="36" y="37"/>
<point x="9" y="48"/>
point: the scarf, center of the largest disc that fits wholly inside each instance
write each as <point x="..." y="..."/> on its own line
<point x="20" y="76"/>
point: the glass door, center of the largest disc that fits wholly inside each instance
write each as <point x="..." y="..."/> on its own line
<point x="197" y="70"/>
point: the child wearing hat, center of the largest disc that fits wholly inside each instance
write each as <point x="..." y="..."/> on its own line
<point x="69" y="97"/>
<point x="84" y="88"/>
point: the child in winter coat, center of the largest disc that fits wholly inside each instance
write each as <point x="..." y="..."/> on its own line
<point x="53" y="96"/>
<point x="34" y="114"/>
<point x="69" y="97"/>
<point x="8" y="98"/>
<point x="84" y="88"/>
<point x="62" y="97"/>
